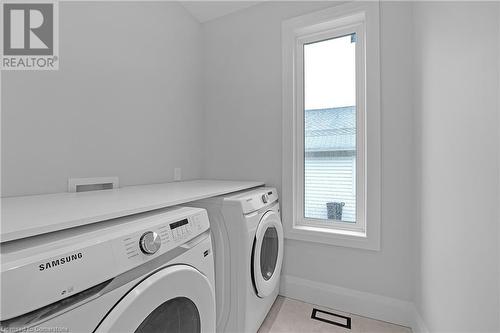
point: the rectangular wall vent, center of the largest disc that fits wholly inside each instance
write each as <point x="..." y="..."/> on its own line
<point x="92" y="184"/>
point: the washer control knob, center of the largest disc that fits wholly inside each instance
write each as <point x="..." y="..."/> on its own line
<point x="265" y="198"/>
<point x="150" y="242"/>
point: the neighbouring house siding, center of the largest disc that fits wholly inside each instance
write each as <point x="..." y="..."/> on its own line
<point x="330" y="149"/>
<point x="330" y="179"/>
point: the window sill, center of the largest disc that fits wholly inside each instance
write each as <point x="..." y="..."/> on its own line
<point x="336" y="237"/>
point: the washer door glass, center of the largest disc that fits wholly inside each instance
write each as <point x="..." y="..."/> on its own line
<point x="177" y="298"/>
<point x="268" y="254"/>
<point x="177" y="315"/>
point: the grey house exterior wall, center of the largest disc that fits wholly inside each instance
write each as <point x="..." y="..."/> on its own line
<point x="330" y="161"/>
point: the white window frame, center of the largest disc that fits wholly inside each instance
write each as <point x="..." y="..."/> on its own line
<point x="363" y="19"/>
<point x="357" y="27"/>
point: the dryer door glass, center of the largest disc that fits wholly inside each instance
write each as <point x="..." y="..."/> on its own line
<point x="269" y="253"/>
<point x="174" y="316"/>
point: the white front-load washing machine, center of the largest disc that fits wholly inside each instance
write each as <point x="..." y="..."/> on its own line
<point x="150" y="272"/>
<point x="248" y="248"/>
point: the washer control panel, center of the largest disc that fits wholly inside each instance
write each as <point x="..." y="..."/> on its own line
<point x="161" y="235"/>
<point x="60" y="267"/>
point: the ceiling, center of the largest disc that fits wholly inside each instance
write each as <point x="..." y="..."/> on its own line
<point x="205" y="11"/>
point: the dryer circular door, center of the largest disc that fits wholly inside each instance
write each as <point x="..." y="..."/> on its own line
<point x="267" y="254"/>
<point x="174" y="299"/>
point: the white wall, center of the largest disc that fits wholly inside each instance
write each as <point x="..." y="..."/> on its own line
<point x="126" y="100"/>
<point x="242" y="84"/>
<point x="456" y="95"/>
<point x="498" y="194"/>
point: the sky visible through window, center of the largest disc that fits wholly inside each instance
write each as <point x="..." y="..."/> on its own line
<point x="329" y="73"/>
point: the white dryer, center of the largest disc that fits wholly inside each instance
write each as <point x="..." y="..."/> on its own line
<point x="150" y="272"/>
<point x="248" y="246"/>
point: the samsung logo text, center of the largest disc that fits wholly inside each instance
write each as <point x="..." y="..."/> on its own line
<point x="60" y="261"/>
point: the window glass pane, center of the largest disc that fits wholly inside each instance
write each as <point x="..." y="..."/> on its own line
<point x="330" y="129"/>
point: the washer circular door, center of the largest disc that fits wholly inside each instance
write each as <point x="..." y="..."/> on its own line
<point x="175" y="299"/>
<point x="268" y="254"/>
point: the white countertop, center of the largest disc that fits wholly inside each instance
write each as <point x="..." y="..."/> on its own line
<point x="28" y="216"/>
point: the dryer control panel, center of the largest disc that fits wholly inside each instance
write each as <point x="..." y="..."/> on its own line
<point x="256" y="199"/>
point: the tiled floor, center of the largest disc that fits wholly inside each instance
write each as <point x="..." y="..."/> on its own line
<point x="292" y="316"/>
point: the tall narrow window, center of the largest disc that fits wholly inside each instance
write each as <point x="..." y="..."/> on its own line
<point x="331" y="126"/>
<point x="330" y="129"/>
<point x="330" y="95"/>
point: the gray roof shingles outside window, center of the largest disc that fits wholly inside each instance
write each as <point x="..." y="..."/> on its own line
<point x="330" y="130"/>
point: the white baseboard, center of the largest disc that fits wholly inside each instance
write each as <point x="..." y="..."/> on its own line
<point x="353" y="301"/>
<point x="418" y="325"/>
